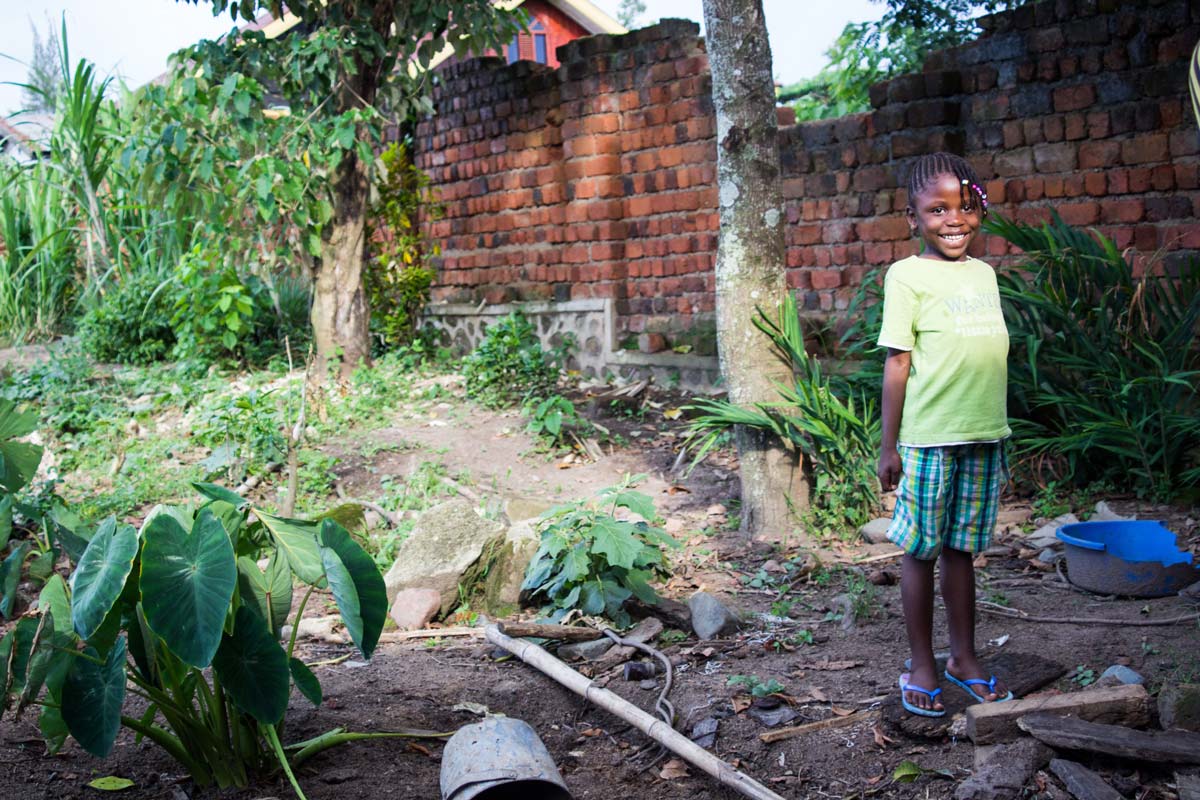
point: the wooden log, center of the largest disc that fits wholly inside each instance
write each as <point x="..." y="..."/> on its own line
<point x="1082" y="782"/>
<point x="1021" y="672"/>
<point x="1068" y="733"/>
<point x="564" y="633"/>
<point x="991" y="723"/>
<point x="820" y="725"/>
<point x="1004" y="775"/>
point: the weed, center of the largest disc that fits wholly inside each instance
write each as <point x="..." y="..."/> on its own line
<point x="755" y="685"/>
<point x="783" y="607"/>
<point x="671" y="636"/>
<point x="1083" y="675"/>
<point x="863" y="595"/>
<point x="509" y="365"/>
<point x="553" y="419"/>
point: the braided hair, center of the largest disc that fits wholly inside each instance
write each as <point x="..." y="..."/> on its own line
<point x="929" y="167"/>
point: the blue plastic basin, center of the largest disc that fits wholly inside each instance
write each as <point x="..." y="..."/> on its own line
<point x="1134" y="558"/>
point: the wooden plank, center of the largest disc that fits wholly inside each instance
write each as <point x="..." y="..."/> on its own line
<point x="565" y="633"/>
<point x="1023" y="673"/>
<point x="1082" y="782"/>
<point x="821" y="725"/>
<point x="1170" y="747"/>
<point x="991" y="723"/>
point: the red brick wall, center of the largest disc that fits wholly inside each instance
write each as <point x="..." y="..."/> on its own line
<point x="597" y="179"/>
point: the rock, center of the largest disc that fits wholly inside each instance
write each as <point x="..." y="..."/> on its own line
<point x="1191" y="593"/>
<point x="320" y="628"/>
<point x="1122" y="674"/>
<point x="510" y="557"/>
<point x="651" y="342"/>
<point x="1045" y="535"/>
<point x="876" y="530"/>
<point x="1005" y="772"/>
<point x="1179" y="707"/>
<point x="942" y="660"/>
<point x="843" y="604"/>
<point x="771" y="717"/>
<point x="413" y="609"/>
<point x="710" y="618"/>
<point x="1012" y="516"/>
<point x="585" y="651"/>
<point x="1105" y="514"/>
<point x="674" y="526"/>
<point x="445" y="541"/>
<point x="523" y="508"/>
<point x="705" y="732"/>
<point x="1049" y="555"/>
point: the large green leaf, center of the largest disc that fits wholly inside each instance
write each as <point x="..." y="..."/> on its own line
<point x="49" y="659"/>
<point x="306" y="681"/>
<point x="356" y="584"/>
<point x="187" y="584"/>
<point x="18" y="460"/>
<point x="92" y="696"/>
<point x="297" y="540"/>
<point x="69" y="531"/>
<point x="253" y="668"/>
<point x="53" y="727"/>
<point x="270" y="592"/>
<point x="614" y="540"/>
<point x="10" y="576"/>
<point x="214" y="492"/>
<point x="100" y="576"/>
<point x="6" y="509"/>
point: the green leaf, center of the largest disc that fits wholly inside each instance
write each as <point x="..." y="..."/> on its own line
<point x="356" y="584"/>
<point x="92" y="697"/>
<point x="638" y="503"/>
<point x="53" y="727"/>
<point x="49" y="659"/>
<point x="306" y="681"/>
<point x="6" y="516"/>
<point x="253" y="668"/>
<point x="69" y="531"/>
<point x="187" y="584"/>
<point x="10" y="576"/>
<point x="615" y="541"/>
<point x="241" y="103"/>
<point x="18" y="460"/>
<point x="297" y="540"/>
<point x="591" y="598"/>
<point x="53" y="600"/>
<point x="111" y="783"/>
<point x="907" y="772"/>
<point x="270" y="593"/>
<point x="576" y="563"/>
<point x="98" y="580"/>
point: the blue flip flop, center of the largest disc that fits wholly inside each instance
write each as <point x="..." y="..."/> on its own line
<point x="967" y="684"/>
<point x="905" y="686"/>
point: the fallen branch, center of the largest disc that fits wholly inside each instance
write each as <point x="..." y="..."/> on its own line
<point x="770" y="737"/>
<point x="1013" y="613"/>
<point x="653" y="727"/>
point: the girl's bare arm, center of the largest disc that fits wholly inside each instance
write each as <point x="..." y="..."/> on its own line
<point x="895" y="381"/>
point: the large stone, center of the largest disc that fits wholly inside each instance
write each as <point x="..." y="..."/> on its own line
<point x="526" y="508"/>
<point x="1045" y="535"/>
<point x="585" y="651"/>
<point x="445" y="541"/>
<point x="1121" y="674"/>
<point x="1105" y="514"/>
<point x="875" y="531"/>
<point x="510" y="559"/>
<point x="1006" y="770"/>
<point x="1179" y="707"/>
<point x="710" y="618"/>
<point x="413" y="609"/>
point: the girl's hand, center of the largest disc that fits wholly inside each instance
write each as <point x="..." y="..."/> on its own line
<point x="889" y="469"/>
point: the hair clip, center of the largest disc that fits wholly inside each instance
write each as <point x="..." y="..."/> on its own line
<point x="978" y="190"/>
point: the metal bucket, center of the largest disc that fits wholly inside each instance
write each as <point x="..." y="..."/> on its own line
<point x="500" y="758"/>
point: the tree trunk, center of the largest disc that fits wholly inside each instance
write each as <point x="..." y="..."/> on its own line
<point x="751" y="254"/>
<point x="339" y="313"/>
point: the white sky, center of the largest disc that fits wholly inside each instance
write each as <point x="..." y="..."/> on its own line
<point x="131" y="39"/>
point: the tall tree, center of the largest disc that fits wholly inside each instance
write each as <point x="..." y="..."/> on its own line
<point x="750" y="252"/>
<point x="43" y="82"/>
<point x="630" y="11"/>
<point x="346" y="69"/>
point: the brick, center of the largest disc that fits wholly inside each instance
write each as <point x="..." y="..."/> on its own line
<point x="1075" y="127"/>
<point x="1055" y="157"/>
<point x="1053" y="129"/>
<point x="1099" y="155"/>
<point x="1145" y="148"/>
<point x="1096" y="184"/>
<point x="826" y="278"/>
<point x="1132" y="210"/>
<point x="1184" y="142"/>
<point x="1079" y="213"/>
<point x="1074" y="98"/>
<point x="1045" y="40"/>
<point x="884" y="229"/>
<point x="1014" y="163"/>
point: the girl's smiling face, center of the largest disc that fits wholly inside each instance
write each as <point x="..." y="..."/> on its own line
<point x="947" y="216"/>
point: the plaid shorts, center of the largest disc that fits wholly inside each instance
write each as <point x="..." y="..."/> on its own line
<point x="948" y="496"/>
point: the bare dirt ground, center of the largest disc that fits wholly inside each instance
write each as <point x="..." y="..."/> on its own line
<point x="845" y="669"/>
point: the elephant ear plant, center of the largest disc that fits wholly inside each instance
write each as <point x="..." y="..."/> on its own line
<point x="148" y="612"/>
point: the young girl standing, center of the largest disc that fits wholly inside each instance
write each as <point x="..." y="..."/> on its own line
<point x="944" y="422"/>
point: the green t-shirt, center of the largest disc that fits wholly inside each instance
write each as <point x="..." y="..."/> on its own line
<point x="948" y="314"/>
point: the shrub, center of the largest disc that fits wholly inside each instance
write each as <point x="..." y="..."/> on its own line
<point x="831" y="422"/>
<point x="592" y="561"/>
<point x="1105" y="363"/>
<point x="131" y="322"/>
<point x="510" y="365"/>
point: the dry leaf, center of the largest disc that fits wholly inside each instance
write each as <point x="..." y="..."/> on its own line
<point x="741" y="702"/>
<point x="829" y="666"/>
<point x="673" y="770"/>
<point x="818" y="695"/>
<point x="420" y="748"/>
<point x="1027" y="554"/>
<point x="980" y="562"/>
<point x="673" y="413"/>
<point x="591" y="732"/>
<point x="707" y="652"/>
<point x="877" y="778"/>
<point x="841" y="712"/>
<point x="678" y="490"/>
<point x="881" y="739"/>
<point x="1041" y="566"/>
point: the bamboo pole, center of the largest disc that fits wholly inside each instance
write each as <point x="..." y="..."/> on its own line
<point x="653" y="727"/>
